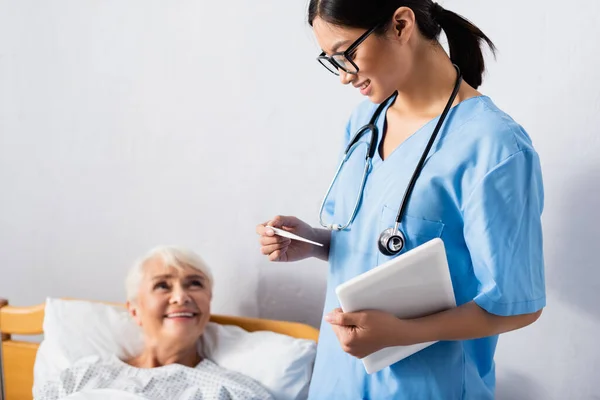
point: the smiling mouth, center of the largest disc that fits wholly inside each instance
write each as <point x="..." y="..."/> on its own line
<point x="181" y="315"/>
<point x="364" y="85"/>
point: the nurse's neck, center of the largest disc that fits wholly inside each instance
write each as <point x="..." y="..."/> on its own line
<point x="426" y="91"/>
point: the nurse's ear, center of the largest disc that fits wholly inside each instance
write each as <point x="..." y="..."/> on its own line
<point x="404" y="24"/>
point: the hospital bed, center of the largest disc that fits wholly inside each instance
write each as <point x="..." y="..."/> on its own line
<point x="19" y="356"/>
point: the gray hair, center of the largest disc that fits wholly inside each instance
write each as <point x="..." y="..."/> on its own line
<point x="171" y="256"/>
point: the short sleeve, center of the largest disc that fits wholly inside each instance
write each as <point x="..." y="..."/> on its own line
<point x="503" y="232"/>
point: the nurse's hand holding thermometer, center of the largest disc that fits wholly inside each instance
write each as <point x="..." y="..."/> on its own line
<point x="288" y="239"/>
<point x="289" y="235"/>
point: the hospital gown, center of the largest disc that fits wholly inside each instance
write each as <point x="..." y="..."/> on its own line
<point x="207" y="381"/>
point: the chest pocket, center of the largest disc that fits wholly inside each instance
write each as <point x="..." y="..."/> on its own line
<point x="417" y="231"/>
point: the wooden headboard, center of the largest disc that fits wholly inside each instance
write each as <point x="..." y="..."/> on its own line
<point x="19" y="356"/>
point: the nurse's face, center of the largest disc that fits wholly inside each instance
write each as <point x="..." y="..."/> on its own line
<point x="383" y="60"/>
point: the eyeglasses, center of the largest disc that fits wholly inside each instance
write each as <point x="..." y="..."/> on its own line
<point x="343" y="60"/>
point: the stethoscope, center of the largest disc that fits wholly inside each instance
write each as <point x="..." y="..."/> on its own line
<point x="392" y="240"/>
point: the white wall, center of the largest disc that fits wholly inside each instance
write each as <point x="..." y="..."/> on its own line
<point x="124" y="125"/>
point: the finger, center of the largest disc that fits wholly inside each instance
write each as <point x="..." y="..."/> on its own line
<point x="277" y="222"/>
<point x="269" y="232"/>
<point x="350" y="319"/>
<point x="267" y="250"/>
<point x="334" y="317"/>
<point x="340" y="332"/>
<point x="283" y="222"/>
<point x="263" y="229"/>
<point x="269" y="241"/>
<point x="260" y="229"/>
<point x="278" y="255"/>
<point x="338" y="317"/>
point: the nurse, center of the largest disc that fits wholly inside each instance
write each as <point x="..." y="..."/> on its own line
<point x="480" y="190"/>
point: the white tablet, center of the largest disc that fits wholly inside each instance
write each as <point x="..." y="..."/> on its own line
<point x="413" y="284"/>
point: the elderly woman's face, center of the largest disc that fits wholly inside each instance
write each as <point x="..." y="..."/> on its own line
<point x="172" y="303"/>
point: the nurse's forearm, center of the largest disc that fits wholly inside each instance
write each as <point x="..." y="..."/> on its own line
<point x="466" y="322"/>
<point x="322" y="236"/>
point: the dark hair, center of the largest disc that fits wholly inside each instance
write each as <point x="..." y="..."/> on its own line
<point x="464" y="38"/>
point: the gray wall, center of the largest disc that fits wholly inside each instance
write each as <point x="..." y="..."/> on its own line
<point x="128" y="124"/>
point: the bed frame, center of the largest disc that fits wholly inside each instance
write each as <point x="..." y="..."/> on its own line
<point x="19" y="356"/>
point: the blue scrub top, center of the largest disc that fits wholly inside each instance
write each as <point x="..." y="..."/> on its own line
<point x="481" y="192"/>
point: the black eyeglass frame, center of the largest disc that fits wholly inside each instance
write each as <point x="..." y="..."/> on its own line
<point x="347" y="54"/>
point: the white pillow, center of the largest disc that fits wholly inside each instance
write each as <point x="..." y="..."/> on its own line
<point x="281" y="363"/>
<point x="74" y="329"/>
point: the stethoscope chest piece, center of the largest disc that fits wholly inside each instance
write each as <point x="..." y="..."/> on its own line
<point x="391" y="242"/>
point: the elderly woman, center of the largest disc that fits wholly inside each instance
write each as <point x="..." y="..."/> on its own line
<point x="169" y="292"/>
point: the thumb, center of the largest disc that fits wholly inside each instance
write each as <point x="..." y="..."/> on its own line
<point x="281" y="221"/>
<point x="338" y="317"/>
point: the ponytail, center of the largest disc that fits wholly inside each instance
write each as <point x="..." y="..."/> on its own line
<point x="464" y="38"/>
<point x="464" y="42"/>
